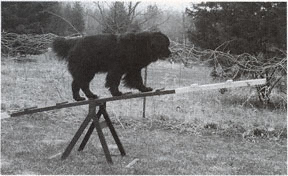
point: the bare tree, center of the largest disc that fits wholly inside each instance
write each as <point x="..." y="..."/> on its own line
<point x="120" y="17"/>
<point x="117" y="18"/>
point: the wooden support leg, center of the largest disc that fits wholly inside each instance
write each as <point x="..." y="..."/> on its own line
<point x="76" y="137"/>
<point x="92" y="116"/>
<point x="102" y="140"/>
<point x="86" y="138"/>
<point x="88" y="134"/>
<point x="92" y="109"/>
<point x="112" y="129"/>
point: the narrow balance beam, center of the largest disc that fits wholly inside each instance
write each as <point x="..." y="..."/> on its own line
<point x="191" y="88"/>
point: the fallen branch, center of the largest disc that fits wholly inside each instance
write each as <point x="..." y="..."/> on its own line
<point x="132" y="163"/>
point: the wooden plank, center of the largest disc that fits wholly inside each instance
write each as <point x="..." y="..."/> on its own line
<point x="96" y="101"/>
<point x="27" y="109"/>
<point x="227" y="84"/>
<point x="193" y="87"/>
<point x="65" y="102"/>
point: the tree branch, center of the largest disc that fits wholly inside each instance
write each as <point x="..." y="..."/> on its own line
<point x="70" y="24"/>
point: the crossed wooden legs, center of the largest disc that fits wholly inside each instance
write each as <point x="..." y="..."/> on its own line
<point x="92" y="116"/>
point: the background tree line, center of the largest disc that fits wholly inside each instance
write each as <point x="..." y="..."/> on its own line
<point x="66" y="18"/>
<point x="252" y="27"/>
<point x="42" y="17"/>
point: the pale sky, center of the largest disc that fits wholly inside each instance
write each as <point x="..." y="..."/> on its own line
<point x="169" y="4"/>
<point x="179" y="5"/>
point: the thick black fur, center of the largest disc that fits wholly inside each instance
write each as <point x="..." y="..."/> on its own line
<point x="117" y="55"/>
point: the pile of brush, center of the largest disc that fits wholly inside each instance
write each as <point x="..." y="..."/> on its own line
<point x="238" y="67"/>
<point x="25" y="44"/>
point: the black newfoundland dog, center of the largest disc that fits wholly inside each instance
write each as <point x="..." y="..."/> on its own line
<point x="117" y="55"/>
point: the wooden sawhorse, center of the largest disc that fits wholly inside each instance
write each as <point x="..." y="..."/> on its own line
<point x="94" y="118"/>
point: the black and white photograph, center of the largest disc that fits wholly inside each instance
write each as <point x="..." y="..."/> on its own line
<point x="148" y="87"/>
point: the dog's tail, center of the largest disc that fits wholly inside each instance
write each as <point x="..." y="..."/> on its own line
<point x="62" y="47"/>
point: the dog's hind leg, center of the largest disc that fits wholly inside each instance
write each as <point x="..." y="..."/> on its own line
<point x="75" y="91"/>
<point x="85" y="82"/>
<point x="113" y="81"/>
<point x="86" y="89"/>
<point x="133" y="79"/>
<point x="82" y="82"/>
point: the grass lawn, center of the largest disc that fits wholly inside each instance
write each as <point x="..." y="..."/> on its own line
<point x="199" y="133"/>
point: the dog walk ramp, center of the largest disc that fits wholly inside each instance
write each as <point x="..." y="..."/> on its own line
<point x="94" y="118"/>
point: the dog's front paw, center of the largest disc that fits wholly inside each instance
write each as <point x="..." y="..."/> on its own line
<point x="115" y="94"/>
<point x="115" y="91"/>
<point x="79" y="98"/>
<point x="93" y="96"/>
<point x="146" y="89"/>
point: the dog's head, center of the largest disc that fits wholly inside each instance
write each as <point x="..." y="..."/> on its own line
<point x="160" y="45"/>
